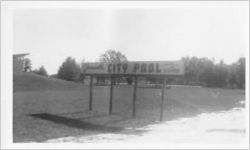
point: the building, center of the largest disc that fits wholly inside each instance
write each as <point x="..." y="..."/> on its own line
<point x="18" y="63"/>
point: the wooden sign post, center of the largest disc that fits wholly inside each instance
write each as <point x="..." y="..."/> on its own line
<point x="134" y="96"/>
<point x="90" y="93"/>
<point x="111" y="94"/>
<point x="162" y="97"/>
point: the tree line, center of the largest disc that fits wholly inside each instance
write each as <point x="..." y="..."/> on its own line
<point x="198" y="71"/>
<point x="205" y="72"/>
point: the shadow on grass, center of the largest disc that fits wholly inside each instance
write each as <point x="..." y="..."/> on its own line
<point x="85" y="128"/>
<point x="75" y="123"/>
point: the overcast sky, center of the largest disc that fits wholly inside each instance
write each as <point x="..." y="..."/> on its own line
<point x="213" y="30"/>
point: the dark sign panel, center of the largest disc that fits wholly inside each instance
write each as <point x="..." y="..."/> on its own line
<point x="136" y="68"/>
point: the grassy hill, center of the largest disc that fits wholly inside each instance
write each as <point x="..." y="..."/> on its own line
<point x="33" y="82"/>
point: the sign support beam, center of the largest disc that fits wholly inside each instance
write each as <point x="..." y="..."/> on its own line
<point x="111" y="94"/>
<point x="90" y="93"/>
<point x="162" y="98"/>
<point x="134" y="96"/>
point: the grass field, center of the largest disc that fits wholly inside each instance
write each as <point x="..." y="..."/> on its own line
<point x="63" y="107"/>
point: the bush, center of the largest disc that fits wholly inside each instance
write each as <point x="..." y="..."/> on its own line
<point x="41" y="71"/>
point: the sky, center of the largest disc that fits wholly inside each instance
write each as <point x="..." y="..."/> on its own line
<point x="218" y="30"/>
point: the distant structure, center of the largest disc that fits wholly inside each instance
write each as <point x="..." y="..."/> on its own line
<point x="18" y="63"/>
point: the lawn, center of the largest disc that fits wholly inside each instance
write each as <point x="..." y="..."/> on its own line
<point x="42" y="114"/>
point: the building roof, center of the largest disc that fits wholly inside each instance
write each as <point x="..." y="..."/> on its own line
<point x="20" y="55"/>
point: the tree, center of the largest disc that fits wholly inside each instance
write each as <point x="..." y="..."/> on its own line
<point x="207" y="72"/>
<point x="27" y="65"/>
<point x="221" y="74"/>
<point x="81" y="76"/>
<point x="241" y="72"/>
<point x="41" y="71"/>
<point x="69" y="70"/>
<point x="193" y="69"/>
<point x="113" y="56"/>
<point x="232" y="77"/>
<point x="236" y="77"/>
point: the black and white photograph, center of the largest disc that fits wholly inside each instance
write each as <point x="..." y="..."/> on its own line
<point x="125" y="74"/>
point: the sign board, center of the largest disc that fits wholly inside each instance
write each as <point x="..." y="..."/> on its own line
<point x="136" y="68"/>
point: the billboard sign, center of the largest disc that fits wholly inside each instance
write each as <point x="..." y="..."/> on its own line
<point x="136" y="68"/>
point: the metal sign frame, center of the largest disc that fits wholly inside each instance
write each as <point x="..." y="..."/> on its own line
<point x="103" y="72"/>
